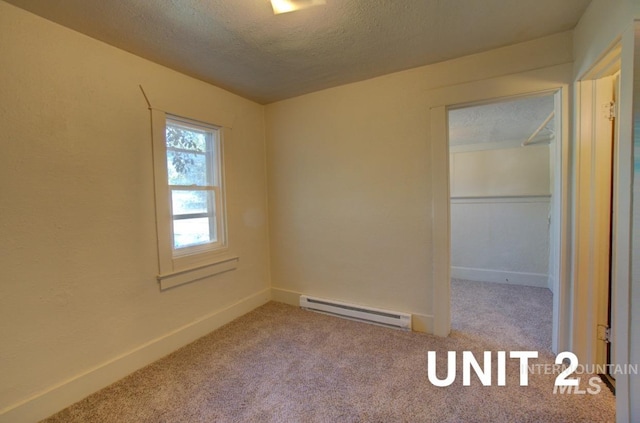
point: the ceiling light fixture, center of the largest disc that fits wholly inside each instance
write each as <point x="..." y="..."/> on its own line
<point x="284" y="6"/>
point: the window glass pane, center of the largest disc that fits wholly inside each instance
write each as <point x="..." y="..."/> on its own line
<point x="185" y="138"/>
<point x="190" y="158"/>
<point x="187" y="168"/>
<point x="189" y="232"/>
<point x="194" y="220"/>
<point x="191" y="202"/>
<point x="194" y="178"/>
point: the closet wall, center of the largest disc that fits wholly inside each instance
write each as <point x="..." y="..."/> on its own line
<point x="500" y="215"/>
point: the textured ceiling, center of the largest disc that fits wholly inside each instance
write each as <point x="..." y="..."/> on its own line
<point x="242" y="46"/>
<point x="512" y="121"/>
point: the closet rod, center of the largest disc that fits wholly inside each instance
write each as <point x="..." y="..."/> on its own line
<point x="537" y="131"/>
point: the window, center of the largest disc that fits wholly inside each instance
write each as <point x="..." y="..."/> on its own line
<point x="194" y="182"/>
<point x="188" y="158"/>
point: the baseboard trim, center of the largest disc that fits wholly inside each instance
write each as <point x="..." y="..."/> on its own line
<point x="422" y="323"/>
<point x="286" y="296"/>
<point x="419" y="322"/>
<point x="538" y="280"/>
<point x="60" y="396"/>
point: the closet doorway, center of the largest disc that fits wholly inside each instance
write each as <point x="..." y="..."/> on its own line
<point x="504" y="257"/>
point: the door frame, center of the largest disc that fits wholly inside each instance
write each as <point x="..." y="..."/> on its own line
<point x="555" y="79"/>
<point x="589" y="293"/>
<point x="621" y="55"/>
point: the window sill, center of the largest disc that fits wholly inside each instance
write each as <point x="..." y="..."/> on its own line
<point x="170" y="280"/>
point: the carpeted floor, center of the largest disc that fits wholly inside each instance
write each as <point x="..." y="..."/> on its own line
<point x="283" y="364"/>
<point x="507" y="315"/>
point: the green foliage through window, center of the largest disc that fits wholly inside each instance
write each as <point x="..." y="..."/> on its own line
<point x="193" y="175"/>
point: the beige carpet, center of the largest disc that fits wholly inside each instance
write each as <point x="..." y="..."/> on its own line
<point x="505" y="315"/>
<point x="282" y="364"/>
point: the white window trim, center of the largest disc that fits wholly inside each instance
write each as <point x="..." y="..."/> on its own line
<point x="177" y="269"/>
<point x="221" y="265"/>
<point x="216" y="186"/>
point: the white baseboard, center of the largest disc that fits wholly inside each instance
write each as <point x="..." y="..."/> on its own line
<point x="419" y="322"/>
<point x="501" y="276"/>
<point x="73" y="390"/>
<point x="286" y="296"/>
<point x="422" y="323"/>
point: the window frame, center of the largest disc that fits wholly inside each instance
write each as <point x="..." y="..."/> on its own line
<point x="197" y="261"/>
<point x="213" y="157"/>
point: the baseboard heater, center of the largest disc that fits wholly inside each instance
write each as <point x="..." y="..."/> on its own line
<point x="374" y="316"/>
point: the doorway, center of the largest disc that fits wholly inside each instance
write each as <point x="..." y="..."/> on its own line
<point x="502" y="157"/>
<point x="539" y="82"/>
<point x="596" y="211"/>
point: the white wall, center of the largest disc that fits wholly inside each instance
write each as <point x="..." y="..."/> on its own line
<point x="80" y="305"/>
<point x="350" y="184"/>
<point x="599" y="28"/>
<point x="499" y="215"/>
<point x="350" y="179"/>
<point x="505" y="172"/>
